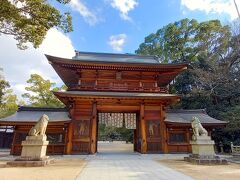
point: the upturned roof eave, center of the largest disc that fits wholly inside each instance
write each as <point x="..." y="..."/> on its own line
<point x="223" y="123"/>
<point x="67" y="98"/>
<point x="27" y="122"/>
<point x="114" y="94"/>
<point x="55" y="59"/>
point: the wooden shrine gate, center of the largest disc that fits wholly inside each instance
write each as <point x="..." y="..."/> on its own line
<point x="148" y="125"/>
<point x="102" y="82"/>
<point x="122" y="119"/>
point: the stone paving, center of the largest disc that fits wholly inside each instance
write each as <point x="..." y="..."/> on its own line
<point x="131" y="166"/>
<point x="4" y="152"/>
<point x="118" y="162"/>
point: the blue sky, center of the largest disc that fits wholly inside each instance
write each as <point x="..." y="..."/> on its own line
<point x="112" y="26"/>
<point x="145" y="17"/>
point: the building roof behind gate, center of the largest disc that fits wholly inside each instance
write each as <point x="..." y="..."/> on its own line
<point x="185" y="117"/>
<point x="33" y="114"/>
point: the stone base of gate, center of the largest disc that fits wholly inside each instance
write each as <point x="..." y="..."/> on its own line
<point x="21" y="162"/>
<point x="205" y="160"/>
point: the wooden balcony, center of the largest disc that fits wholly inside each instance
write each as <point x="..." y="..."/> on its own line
<point x="123" y="85"/>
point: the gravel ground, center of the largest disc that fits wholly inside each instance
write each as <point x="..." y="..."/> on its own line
<point x="200" y="172"/>
<point x="118" y="155"/>
<point x="65" y="168"/>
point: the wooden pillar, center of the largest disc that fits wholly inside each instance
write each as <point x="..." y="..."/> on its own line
<point x="135" y="140"/>
<point x="94" y="129"/>
<point x="143" y="130"/>
<point x="69" y="138"/>
<point x="188" y="139"/>
<point x="13" y="142"/>
<point x="164" y="130"/>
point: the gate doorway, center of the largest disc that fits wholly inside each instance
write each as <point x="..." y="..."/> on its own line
<point x="117" y="132"/>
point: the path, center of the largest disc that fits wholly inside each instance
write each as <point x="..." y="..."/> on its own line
<point x="4" y="152"/>
<point x="131" y="166"/>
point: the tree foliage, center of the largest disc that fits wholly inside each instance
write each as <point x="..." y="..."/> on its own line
<point x="3" y="89"/>
<point x="219" y="77"/>
<point x="29" y="20"/>
<point x="212" y="81"/>
<point x="232" y="132"/>
<point x="114" y="133"/>
<point x="40" y="92"/>
<point x="186" y="40"/>
<point x="8" y="101"/>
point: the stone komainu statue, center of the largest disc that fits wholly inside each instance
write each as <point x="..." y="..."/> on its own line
<point x="40" y="127"/>
<point x="198" y="129"/>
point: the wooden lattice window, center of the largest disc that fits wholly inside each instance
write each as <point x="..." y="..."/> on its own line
<point x="20" y="137"/>
<point x="80" y="147"/>
<point x="177" y="138"/>
<point x="56" y="138"/>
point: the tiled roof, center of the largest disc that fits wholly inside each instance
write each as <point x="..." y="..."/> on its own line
<point x="68" y="69"/>
<point x="112" y="57"/>
<point x="185" y="116"/>
<point x="116" y="94"/>
<point x="32" y="114"/>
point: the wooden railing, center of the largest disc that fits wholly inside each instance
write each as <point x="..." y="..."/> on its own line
<point x="235" y="149"/>
<point x="127" y="85"/>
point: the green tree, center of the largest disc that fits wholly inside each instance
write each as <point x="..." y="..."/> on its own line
<point x="188" y="41"/>
<point x="29" y="20"/>
<point x="232" y="132"/>
<point x="232" y="114"/>
<point x="220" y="78"/>
<point x="9" y="105"/>
<point x="8" y="101"/>
<point x="40" y="92"/>
<point x="212" y="79"/>
<point x="114" y="133"/>
<point x="3" y="89"/>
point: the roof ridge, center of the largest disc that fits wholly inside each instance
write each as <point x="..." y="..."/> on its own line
<point x="29" y="108"/>
<point x="186" y="110"/>
<point x="75" y="60"/>
<point x="114" y="54"/>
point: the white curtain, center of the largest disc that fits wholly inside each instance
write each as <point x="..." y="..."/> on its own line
<point x="116" y="119"/>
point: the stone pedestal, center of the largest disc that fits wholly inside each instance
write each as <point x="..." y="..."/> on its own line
<point x="203" y="152"/>
<point x="33" y="152"/>
<point x="203" y="146"/>
<point x="34" y="147"/>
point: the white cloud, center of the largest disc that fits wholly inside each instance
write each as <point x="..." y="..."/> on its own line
<point x="57" y="44"/>
<point x="124" y="6"/>
<point x="19" y="64"/>
<point x="89" y="16"/>
<point x="212" y="6"/>
<point x="117" y="41"/>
